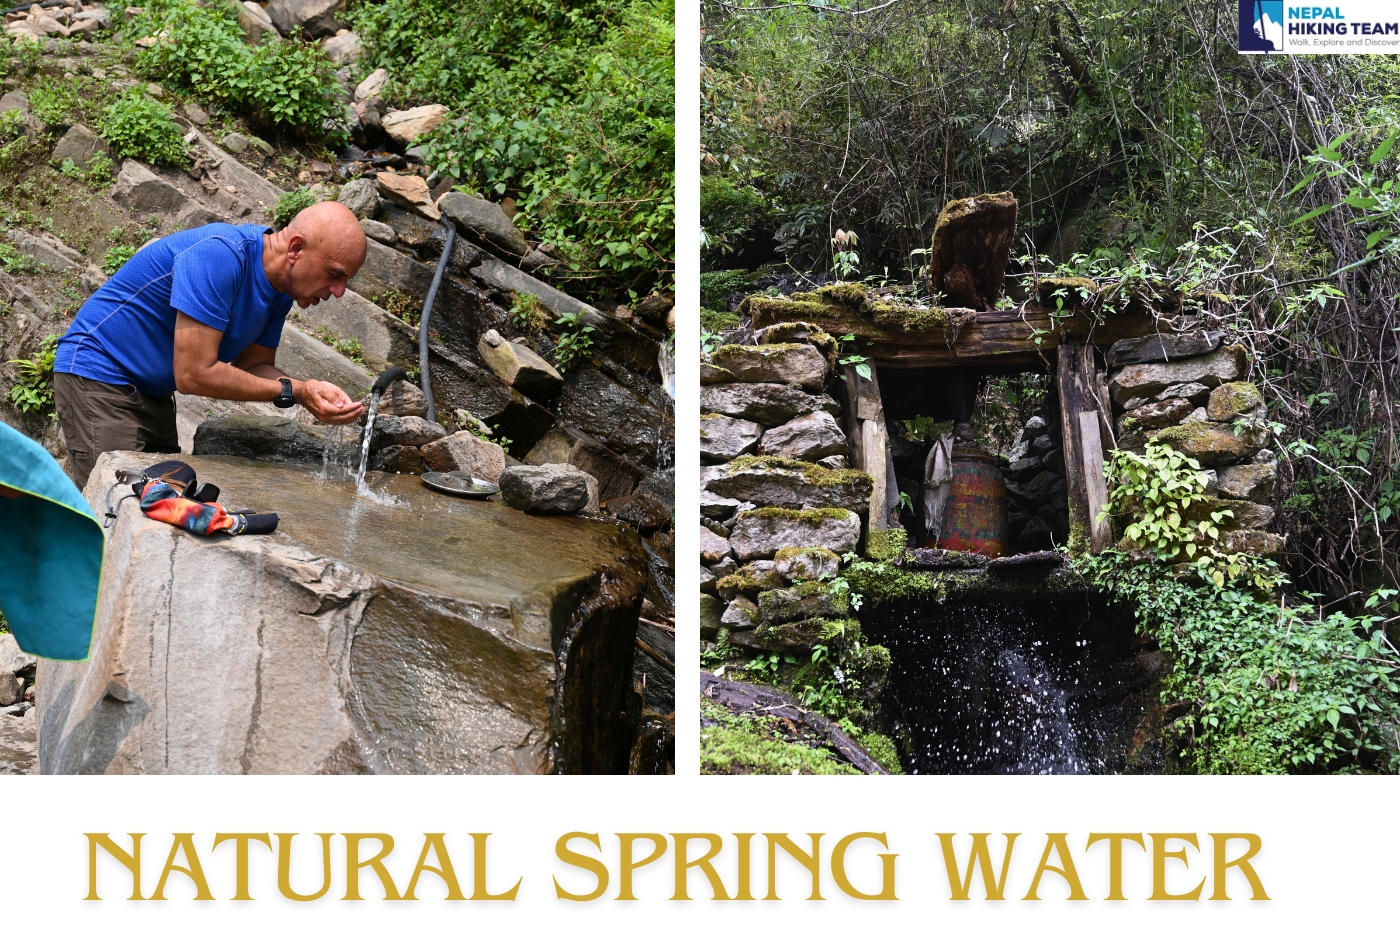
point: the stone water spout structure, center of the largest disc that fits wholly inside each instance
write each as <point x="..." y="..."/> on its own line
<point x="416" y="634"/>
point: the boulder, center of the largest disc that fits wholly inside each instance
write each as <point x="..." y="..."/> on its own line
<point x="14" y="101"/>
<point x="808" y="600"/>
<point x="306" y="357"/>
<point x="1235" y="400"/>
<point x="79" y="145"/>
<point x="403" y="399"/>
<point x="11" y="689"/>
<point x="261" y="437"/>
<point x="466" y="452"/>
<point x="196" y="114"/>
<point x="342" y="49"/>
<point x="378" y="231"/>
<point x="404" y="126"/>
<point x="235" y="142"/>
<point x="971" y="244"/>
<point x="711" y="374"/>
<point x="1251" y="481"/>
<point x="807" y="437"/>
<point x="315" y="651"/>
<point x="372" y="87"/>
<point x="741" y="614"/>
<point x="761" y="533"/>
<point x="766" y="403"/>
<point x="629" y="419"/>
<point x="397" y="459"/>
<point x="782" y="363"/>
<point x="139" y="189"/>
<point x="1157" y="414"/>
<point x="193" y="216"/>
<point x="720" y="508"/>
<point x="712" y="547"/>
<point x="480" y="219"/>
<point x="711" y="610"/>
<point x="411" y="192"/>
<point x="723" y="438"/>
<point x="315" y="18"/>
<point x="838" y="462"/>
<point x="360" y="196"/>
<point x="256" y="24"/>
<point x="1161" y="347"/>
<point x="12" y="658"/>
<point x="553" y="489"/>
<point x="1214" y="445"/>
<point x="1253" y="542"/>
<point x="520" y="367"/>
<point x="807" y="564"/>
<point x="1194" y="392"/>
<point x="801" y="636"/>
<point x="404" y="431"/>
<point x="1226" y="364"/>
<point x="792" y="485"/>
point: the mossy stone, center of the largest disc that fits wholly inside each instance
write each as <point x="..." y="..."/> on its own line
<point x="1235" y="400"/>
<point x="886" y="544"/>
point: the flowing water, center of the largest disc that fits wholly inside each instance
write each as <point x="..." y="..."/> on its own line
<point x="1013" y="687"/>
<point x="364" y="447"/>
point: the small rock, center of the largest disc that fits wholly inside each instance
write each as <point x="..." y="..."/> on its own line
<point x="640" y="510"/>
<point x="404" y="126"/>
<point x="713" y="548"/>
<point x="468" y="453"/>
<point x="807" y="437"/>
<point x="741" y="614"/>
<point x="361" y="197"/>
<point x="807" y="564"/>
<point x="79" y="145"/>
<point x="14" y="101"/>
<point x="1251" y="481"/>
<point x="140" y="189"/>
<point x="723" y="438"/>
<point x="100" y="74"/>
<point x="342" y="49"/>
<point x="193" y="216"/>
<point x="234" y="143"/>
<point x="838" y="462"/>
<point x="384" y="234"/>
<point x="1198" y="415"/>
<point x="404" y="399"/>
<point x="520" y="367"/>
<point x="411" y="192"/>
<point x="315" y="18"/>
<point x="372" y="86"/>
<point x="154" y="90"/>
<point x="196" y="114"/>
<point x="1194" y="392"/>
<point x="1042" y="445"/>
<point x="1158" y="414"/>
<point x="12" y="658"/>
<point x="404" y="431"/>
<point x="1235" y="400"/>
<point x="11" y="689"/>
<point x="553" y="489"/>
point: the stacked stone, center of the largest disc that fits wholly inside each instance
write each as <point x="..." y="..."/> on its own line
<point x="1035" y="483"/>
<point x="777" y="505"/>
<point x="1189" y="391"/>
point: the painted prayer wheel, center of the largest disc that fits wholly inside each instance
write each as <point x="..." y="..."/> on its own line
<point x="975" y="517"/>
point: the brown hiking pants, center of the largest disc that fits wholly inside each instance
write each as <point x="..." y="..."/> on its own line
<point x="97" y="418"/>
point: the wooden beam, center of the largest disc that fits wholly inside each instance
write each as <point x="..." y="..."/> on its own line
<point x="870" y="450"/>
<point x="1074" y="380"/>
<point x="1096" y="482"/>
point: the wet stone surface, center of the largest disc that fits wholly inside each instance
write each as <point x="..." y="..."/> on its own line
<point x="19" y="750"/>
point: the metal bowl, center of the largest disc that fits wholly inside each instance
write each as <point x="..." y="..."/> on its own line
<point x="457" y="483"/>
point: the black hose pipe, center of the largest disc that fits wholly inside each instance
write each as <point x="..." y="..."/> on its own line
<point x="390" y="376"/>
<point x="423" y="322"/>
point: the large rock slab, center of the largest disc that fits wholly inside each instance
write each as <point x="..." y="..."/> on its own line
<point x="723" y="438"/>
<point x="767" y="403"/>
<point x="780" y="363"/>
<point x="305" y="357"/>
<point x="1161" y="347"/>
<point x="140" y="189"/>
<point x="260" y="437"/>
<point x="1214" y="445"/>
<point x="45" y="249"/>
<point x="791" y="484"/>
<point x="481" y="219"/>
<point x="807" y="437"/>
<point x="352" y="640"/>
<point x="354" y="316"/>
<point x="762" y="533"/>
<point x="1144" y="381"/>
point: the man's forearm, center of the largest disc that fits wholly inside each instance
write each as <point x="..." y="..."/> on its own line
<point x="228" y="382"/>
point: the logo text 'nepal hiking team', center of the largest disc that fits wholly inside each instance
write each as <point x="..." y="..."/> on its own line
<point x="1277" y="26"/>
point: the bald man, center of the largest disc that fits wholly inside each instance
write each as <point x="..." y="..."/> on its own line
<point x="199" y="312"/>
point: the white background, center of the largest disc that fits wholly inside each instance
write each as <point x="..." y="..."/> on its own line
<point x="1327" y="862"/>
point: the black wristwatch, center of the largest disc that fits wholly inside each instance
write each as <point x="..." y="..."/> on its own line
<point x="285" y="400"/>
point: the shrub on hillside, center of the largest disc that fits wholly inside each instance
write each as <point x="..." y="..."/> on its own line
<point x="286" y="84"/>
<point x="140" y="127"/>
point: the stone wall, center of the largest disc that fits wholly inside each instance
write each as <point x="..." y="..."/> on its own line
<point x="1191" y="391"/>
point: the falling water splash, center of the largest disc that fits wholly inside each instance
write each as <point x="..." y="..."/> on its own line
<point x="1002" y="688"/>
<point x="364" y="447"/>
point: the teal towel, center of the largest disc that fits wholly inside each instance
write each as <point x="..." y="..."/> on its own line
<point x="50" y="553"/>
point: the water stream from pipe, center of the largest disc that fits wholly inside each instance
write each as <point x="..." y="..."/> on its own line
<point x="364" y="447"/>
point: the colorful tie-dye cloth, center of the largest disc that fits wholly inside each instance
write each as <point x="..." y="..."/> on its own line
<point x="173" y="495"/>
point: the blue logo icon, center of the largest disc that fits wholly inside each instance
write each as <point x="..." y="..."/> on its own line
<point x="1261" y="25"/>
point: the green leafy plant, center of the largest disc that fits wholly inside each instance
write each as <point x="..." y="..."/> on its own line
<point x="97" y="173"/>
<point x="845" y="263"/>
<point x="575" y="341"/>
<point x="141" y="127"/>
<point x="290" y="203"/>
<point x="116" y="256"/>
<point x="862" y="363"/>
<point x="285" y="84"/>
<point x="32" y="393"/>
<point x="400" y="305"/>
<point x="527" y="314"/>
<point x="16" y="263"/>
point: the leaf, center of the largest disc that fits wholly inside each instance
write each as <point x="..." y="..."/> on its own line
<point x="1313" y="214"/>
<point x="1387" y="145"/>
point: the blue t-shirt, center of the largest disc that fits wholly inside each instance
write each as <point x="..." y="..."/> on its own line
<point x="125" y="333"/>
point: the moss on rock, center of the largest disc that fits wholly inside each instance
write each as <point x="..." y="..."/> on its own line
<point x="886" y="544"/>
<point x="1235" y="400"/>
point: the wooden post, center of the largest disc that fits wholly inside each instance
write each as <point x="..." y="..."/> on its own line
<point x="870" y="444"/>
<point x="1074" y="379"/>
<point x="1100" y="529"/>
